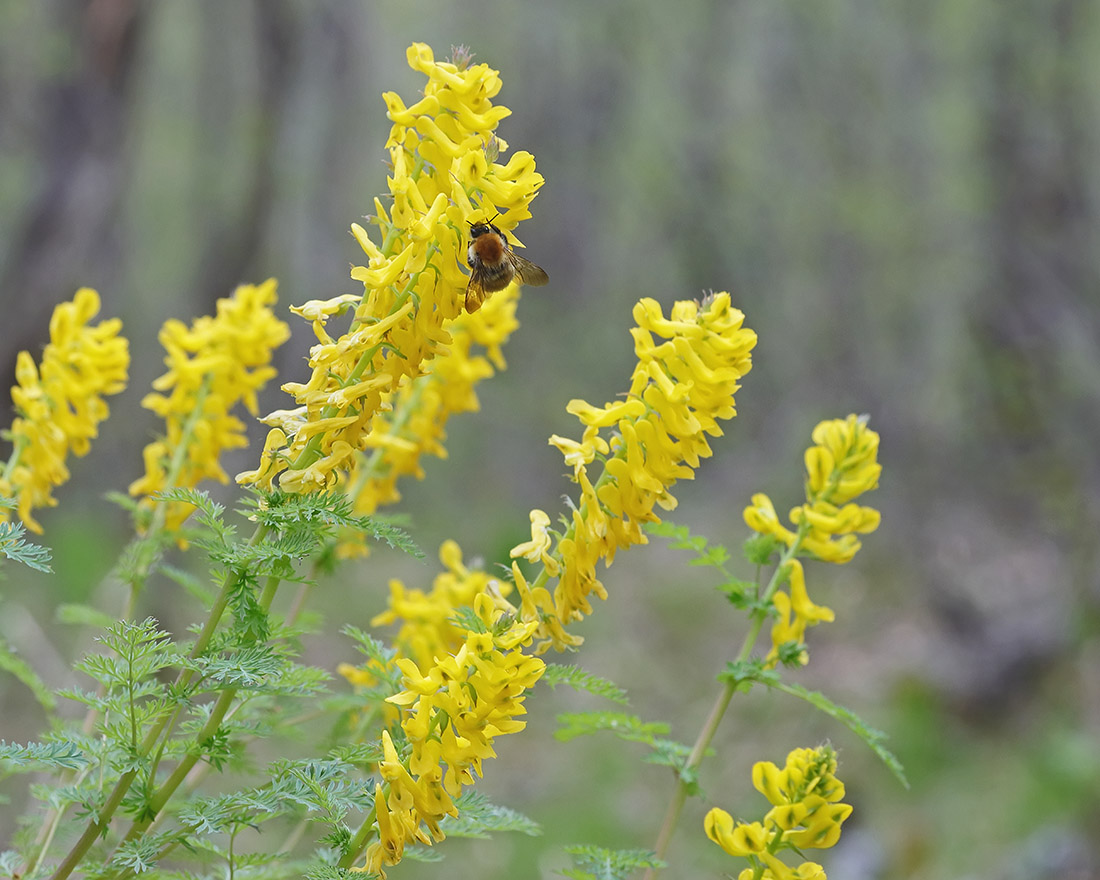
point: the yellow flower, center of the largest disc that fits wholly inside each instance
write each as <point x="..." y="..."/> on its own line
<point x="795" y="612"/>
<point x="840" y="466"/>
<point x="414" y="419"/>
<point x="806" y="795"/>
<point x="452" y="713"/>
<point x="428" y="629"/>
<point x="537" y="549"/>
<point x="444" y="175"/>
<point x="213" y="365"/>
<point x="60" y="405"/>
<point x="806" y="812"/>
<point x="736" y="838"/>
<point x="689" y="366"/>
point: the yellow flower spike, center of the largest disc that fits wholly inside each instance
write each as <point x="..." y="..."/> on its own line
<point x="805" y="814"/>
<point x="839" y="467"/>
<point x="848" y="448"/>
<point x="213" y="364"/>
<point x="678" y="389"/>
<point x="60" y="404"/>
<point x="414" y="285"/>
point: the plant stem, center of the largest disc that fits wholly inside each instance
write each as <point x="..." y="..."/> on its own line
<point x="718" y="711"/>
<point x="359" y="841"/>
<point x="99" y="823"/>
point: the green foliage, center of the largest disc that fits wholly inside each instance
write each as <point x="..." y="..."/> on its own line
<point x="870" y="735"/>
<point x="627" y="727"/>
<point x="477" y="817"/>
<point x="37" y="756"/>
<point x="320" y="516"/>
<point x="581" y="680"/>
<point x="761" y="549"/>
<point x="741" y="593"/>
<point x="14" y="546"/>
<point x="707" y="554"/>
<point x="597" y="863"/>
<point x="747" y="673"/>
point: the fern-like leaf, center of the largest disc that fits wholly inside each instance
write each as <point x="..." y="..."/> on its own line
<point x="59" y="755"/>
<point x="478" y="817"/>
<point x="873" y="737"/>
<point x="581" y="680"/>
<point x="15" y="547"/>
<point x="597" y="863"/>
<point x="627" y="727"/>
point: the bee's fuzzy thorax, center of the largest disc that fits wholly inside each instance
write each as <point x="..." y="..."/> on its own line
<point x="489" y="248"/>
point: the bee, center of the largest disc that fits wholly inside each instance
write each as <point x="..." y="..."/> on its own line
<point x="494" y="265"/>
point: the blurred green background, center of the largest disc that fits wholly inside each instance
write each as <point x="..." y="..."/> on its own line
<point x="903" y="199"/>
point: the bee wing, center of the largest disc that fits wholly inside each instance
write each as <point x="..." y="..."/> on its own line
<point x="527" y="271"/>
<point x="475" y="293"/>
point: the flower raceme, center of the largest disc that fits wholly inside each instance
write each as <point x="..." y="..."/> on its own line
<point x="416" y="424"/>
<point x="806" y="813"/>
<point x="465" y="677"/>
<point x="60" y="404"/>
<point x="689" y="366"/>
<point x="213" y="365"/>
<point x="841" y="465"/>
<point x="444" y="175"/>
<point x="452" y="714"/>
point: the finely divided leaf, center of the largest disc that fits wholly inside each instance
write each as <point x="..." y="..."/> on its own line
<point x="581" y="680"/>
<point x="873" y="737"/>
<point x="627" y="727"/>
<point x="62" y="755"/>
<point x="15" y="547"/>
<point x="597" y="863"/>
<point x="477" y="817"/>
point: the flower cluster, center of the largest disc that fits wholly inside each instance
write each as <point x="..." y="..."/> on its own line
<point x="806" y="813"/>
<point x="213" y="365"/>
<point x="452" y="713"/>
<point x="416" y="425"/>
<point x="59" y="405"/>
<point x="689" y="366"/>
<point x="841" y="465"/>
<point x="428" y="628"/>
<point x="444" y="175"/>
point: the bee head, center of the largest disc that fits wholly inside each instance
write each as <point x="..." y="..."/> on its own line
<point x="485" y="226"/>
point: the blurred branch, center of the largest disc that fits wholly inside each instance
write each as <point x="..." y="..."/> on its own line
<point x="230" y="250"/>
<point x="68" y="229"/>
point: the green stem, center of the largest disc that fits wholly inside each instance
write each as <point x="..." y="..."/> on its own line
<point x="359" y="842"/>
<point x="718" y="710"/>
<point x="221" y="707"/>
<point x="146" y="555"/>
<point x="99" y="823"/>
